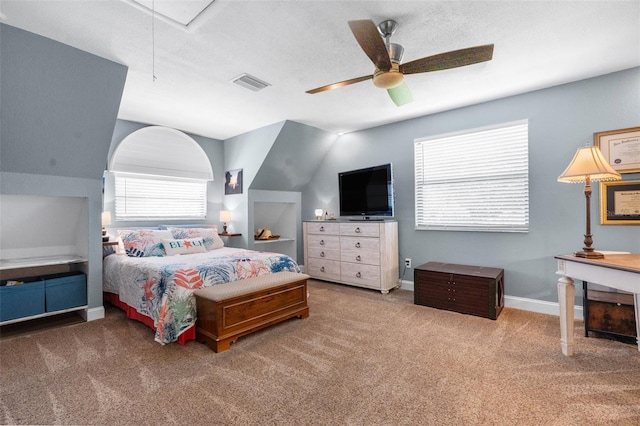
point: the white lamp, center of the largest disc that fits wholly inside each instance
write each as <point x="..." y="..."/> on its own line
<point x="318" y="213"/>
<point x="225" y="216"/>
<point x="106" y="220"/>
<point x="588" y="165"/>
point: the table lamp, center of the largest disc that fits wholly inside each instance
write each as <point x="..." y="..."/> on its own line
<point x="106" y="220"/>
<point x="225" y="216"/>
<point x="588" y="165"/>
<point x="318" y="213"/>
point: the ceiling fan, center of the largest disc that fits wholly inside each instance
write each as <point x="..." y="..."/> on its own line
<point x="389" y="72"/>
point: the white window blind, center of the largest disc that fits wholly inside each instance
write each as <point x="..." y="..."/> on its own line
<point x="476" y="180"/>
<point x="151" y="198"/>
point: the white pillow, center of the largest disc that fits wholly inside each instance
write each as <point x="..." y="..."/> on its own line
<point x="184" y="246"/>
<point x="210" y="236"/>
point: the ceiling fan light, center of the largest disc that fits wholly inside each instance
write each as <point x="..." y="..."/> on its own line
<point x="387" y="80"/>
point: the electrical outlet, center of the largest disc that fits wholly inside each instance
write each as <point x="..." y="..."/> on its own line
<point x="407" y="262"/>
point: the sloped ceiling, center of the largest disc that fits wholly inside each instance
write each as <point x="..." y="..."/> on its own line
<point x="180" y="76"/>
<point x="59" y="106"/>
<point x="294" y="158"/>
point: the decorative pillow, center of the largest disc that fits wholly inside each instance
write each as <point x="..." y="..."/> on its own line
<point x="210" y="236"/>
<point x="144" y="242"/>
<point x="184" y="246"/>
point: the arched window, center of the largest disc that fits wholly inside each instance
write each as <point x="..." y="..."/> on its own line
<point x="160" y="173"/>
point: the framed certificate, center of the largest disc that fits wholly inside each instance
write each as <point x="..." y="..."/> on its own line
<point x="620" y="202"/>
<point x="621" y="148"/>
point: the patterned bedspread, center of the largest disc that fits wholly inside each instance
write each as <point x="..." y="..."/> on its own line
<point x="162" y="287"/>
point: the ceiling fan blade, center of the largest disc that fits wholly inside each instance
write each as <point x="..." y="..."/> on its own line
<point x="339" y="84"/>
<point x="453" y="59"/>
<point x="401" y="94"/>
<point x="369" y="39"/>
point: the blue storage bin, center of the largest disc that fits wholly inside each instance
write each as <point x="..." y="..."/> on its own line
<point x="65" y="291"/>
<point x="23" y="300"/>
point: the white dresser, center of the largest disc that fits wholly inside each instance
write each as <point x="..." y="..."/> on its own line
<point x="363" y="254"/>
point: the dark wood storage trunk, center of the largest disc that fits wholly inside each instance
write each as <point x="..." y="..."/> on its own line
<point x="473" y="290"/>
<point x="610" y="314"/>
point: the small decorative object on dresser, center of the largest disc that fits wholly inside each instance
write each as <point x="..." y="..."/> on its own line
<point x="354" y="253"/>
<point x="473" y="290"/>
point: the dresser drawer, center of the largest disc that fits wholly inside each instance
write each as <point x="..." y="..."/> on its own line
<point x="330" y="242"/>
<point x="323" y="269"/>
<point x="327" y="228"/>
<point x="360" y="244"/>
<point x="360" y="229"/>
<point x="362" y="275"/>
<point x="324" y="253"/>
<point x="364" y="255"/>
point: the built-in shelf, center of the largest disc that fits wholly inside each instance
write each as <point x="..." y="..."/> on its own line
<point x="46" y="314"/>
<point x="279" y="212"/>
<point x="42" y="266"/>
<point x="30" y="262"/>
<point x="272" y="241"/>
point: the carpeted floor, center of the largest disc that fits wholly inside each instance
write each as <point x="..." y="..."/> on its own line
<point x="361" y="358"/>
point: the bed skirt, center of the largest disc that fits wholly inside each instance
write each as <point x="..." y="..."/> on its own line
<point x="188" y="334"/>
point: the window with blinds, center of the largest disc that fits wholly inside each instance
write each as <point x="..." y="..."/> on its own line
<point x="477" y="180"/>
<point x="155" y="197"/>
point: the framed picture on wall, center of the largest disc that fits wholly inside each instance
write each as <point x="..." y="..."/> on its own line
<point x="621" y="148"/>
<point x="233" y="182"/>
<point x="620" y="202"/>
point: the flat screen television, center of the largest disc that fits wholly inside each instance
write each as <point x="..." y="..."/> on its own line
<point x="366" y="193"/>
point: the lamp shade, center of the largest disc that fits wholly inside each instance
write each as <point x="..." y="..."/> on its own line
<point x="588" y="163"/>
<point x="106" y="218"/>
<point x="225" y="216"/>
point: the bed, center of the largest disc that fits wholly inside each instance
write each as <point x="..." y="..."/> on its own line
<point x="154" y="283"/>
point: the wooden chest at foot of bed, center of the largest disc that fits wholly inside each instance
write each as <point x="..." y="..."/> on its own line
<point x="473" y="290"/>
<point x="231" y="310"/>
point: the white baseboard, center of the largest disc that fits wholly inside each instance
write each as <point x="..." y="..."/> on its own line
<point x="525" y="304"/>
<point x="93" y="313"/>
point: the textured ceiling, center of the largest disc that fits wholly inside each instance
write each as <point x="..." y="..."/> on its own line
<point x="299" y="45"/>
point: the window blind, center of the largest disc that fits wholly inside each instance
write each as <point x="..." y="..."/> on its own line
<point x="151" y="198"/>
<point x="477" y="180"/>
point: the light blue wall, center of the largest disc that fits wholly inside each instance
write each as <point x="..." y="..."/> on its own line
<point x="57" y="113"/>
<point x="247" y="152"/>
<point x="561" y="119"/>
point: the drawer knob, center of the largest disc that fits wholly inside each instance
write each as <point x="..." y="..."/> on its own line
<point x="322" y="269"/>
<point x="322" y="229"/>
<point x="321" y="254"/>
<point x="321" y="242"/>
<point x="359" y="275"/>
<point x="358" y="230"/>
<point x="358" y="245"/>
<point x="358" y="258"/>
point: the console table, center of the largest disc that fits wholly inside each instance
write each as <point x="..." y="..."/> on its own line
<point x="619" y="271"/>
